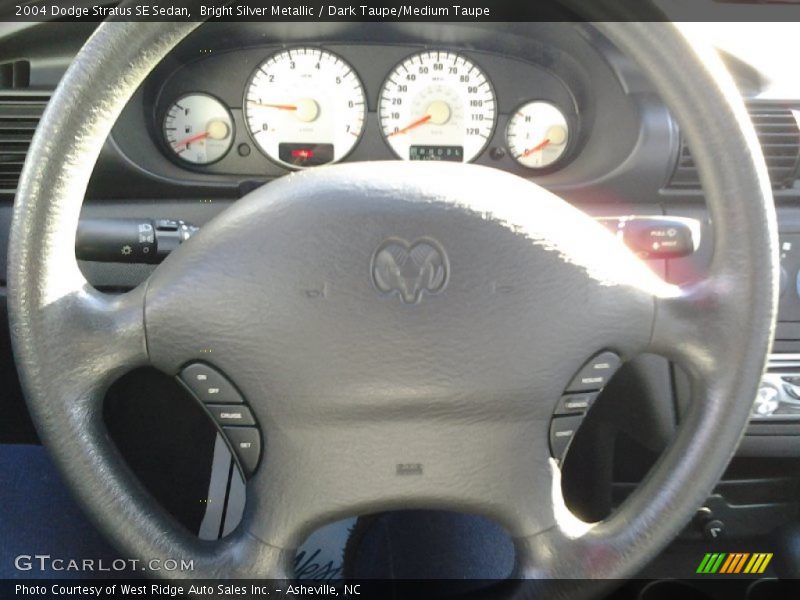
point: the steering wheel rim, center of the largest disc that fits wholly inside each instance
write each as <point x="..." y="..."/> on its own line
<point x="71" y="341"/>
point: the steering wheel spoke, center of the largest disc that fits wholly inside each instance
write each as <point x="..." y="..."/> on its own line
<point x="697" y="326"/>
<point x="107" y="337"/>
<point x="687" y="322"/>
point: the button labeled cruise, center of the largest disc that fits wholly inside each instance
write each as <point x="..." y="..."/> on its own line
<point x="225" y="414"/>
<point x="209" y="385"/>
<point x="595" y="374"/>
<point x="246" y="442"/>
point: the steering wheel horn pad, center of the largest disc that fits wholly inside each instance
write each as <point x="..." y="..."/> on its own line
<point x="350" y="382"/>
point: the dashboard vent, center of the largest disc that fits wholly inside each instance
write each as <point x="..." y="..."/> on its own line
<point x="15" y="74"/>
<point x="19" y="115"/>
<point x="778" y="129"/>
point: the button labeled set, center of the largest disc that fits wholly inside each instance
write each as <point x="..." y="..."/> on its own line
<point x="578" y="398"/>
<point x="229" y="411"/>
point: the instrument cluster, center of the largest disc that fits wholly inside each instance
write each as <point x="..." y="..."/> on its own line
<point x="307" y="106"/>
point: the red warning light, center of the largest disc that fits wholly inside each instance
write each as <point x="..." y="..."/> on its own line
<point x="304" y="153"/>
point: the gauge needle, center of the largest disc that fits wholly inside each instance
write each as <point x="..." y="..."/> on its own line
<point x="411" y="126"/>
<point x="536" y="148"/>
<point x="190" y="139"/>
<point x="278" y="106"/>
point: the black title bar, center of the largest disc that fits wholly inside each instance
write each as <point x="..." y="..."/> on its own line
<point x="399" y="10"/>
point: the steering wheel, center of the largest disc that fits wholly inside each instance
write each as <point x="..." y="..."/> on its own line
<point x="352" y="375"/>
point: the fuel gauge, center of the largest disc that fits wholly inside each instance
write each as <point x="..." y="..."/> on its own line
<point x="537" y="135"/>
<point x="198" y="129"/>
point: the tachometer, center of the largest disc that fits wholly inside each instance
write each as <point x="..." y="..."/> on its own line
<point x="305" y="107"/>
<point x="437" y="106"/>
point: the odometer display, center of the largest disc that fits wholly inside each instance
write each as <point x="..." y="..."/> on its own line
<point x="448" y="153"/>
<point x="437" y="100"/>
<point x="305" y="107"/>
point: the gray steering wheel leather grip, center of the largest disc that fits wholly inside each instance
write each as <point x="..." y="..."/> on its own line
<point x="719" y="329"/>
<point x="71" y="341"/>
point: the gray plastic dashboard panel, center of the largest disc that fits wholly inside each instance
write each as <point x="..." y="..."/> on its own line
<point x="778" y="438"/>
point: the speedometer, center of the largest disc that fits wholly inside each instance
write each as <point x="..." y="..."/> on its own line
<point x="437" y="105"/>
<point x="305" y="107"/>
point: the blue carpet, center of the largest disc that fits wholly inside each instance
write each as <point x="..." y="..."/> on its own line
<point x="39" y="517"/>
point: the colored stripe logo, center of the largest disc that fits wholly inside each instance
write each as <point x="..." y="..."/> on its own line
<point x="734" y="563"/>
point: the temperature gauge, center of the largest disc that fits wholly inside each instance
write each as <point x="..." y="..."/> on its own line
<point x="537" y="135"/>
<point x="198" y="129"/>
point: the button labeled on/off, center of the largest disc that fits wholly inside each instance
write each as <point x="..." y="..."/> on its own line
<point x="209" y="385"/>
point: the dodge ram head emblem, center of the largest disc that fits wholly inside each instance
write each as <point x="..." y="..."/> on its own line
<point x="409" y="269"/>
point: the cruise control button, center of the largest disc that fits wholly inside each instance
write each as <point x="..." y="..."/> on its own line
<point x="225" y="414"/>
<point x="209" y="385"/>
<point x="562" y="430"/>
<point x="595" y="374"/>
<point x="246" y="442"/>
<point x="573" y="404"/>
